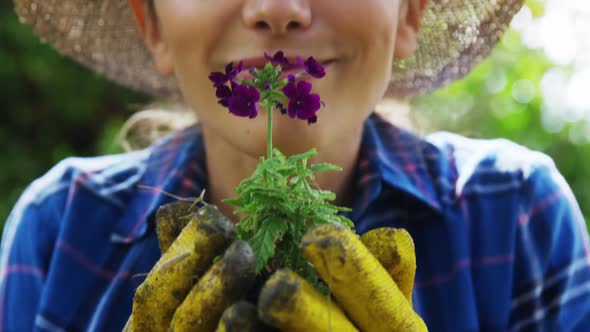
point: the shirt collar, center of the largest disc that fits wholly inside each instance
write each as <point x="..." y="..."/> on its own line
<point x="392" y="158"/>
<point x="176" y="165"/>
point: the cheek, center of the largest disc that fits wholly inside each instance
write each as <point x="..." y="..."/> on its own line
<point x="192" y="31"/>
<point x="352" y="17"/>
<point x="371" y="46"/>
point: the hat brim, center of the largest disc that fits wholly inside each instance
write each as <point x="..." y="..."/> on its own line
<point x="102" y="35"/>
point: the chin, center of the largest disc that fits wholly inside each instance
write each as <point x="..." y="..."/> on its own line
<point x="293" y="136"/>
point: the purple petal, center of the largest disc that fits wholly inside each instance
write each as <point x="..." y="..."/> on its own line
<point x="313" y="68"/>
<point x="229" y="67"/>
<point x="277" y="58"/>
<point x="300" y="61"/>
<point x="244" y="101"/>
<point x="309" y="105"/>
<point x="290" y="90"/>
<point x="292" y="108"/>
<point x="253" y="112"/>
<point x="280" y="58"/>
<point x="314" y="102"/>
<point x="223" y="92"/>
<point x="268" y="57"/>
<point x="217" y="78"/>
<point x="253" y="94"/>
<point x="303" y="88"/>
<point x="231" y="75"/>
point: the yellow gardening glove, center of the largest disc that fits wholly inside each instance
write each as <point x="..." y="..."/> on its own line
<point x="185" y="290"/>
<point x="371" y="278"/>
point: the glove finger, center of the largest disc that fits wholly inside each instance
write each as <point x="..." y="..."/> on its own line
<point x="358" y="281"/>
<point x="224" y="283"/>
<point x="241" y="316"/>
<point x="206" y="236"/>
<point x="170" y="220"/>
<point x="394" y="249"/>
<point x="290" y="303"/>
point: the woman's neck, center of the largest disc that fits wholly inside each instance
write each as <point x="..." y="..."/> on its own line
<point x="227" y="167"/>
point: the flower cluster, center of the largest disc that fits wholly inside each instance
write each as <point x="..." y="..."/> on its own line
<point x="242" y="96"/>
<point x="280" y="200"/>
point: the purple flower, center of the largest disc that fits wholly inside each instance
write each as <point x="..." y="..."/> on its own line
<point x="302" y="103"/>
<point x="278" y="58"/>
<point x="312" y="67"/>
<point x="223" y="93"/>
<point x="219" y="78"/>
<point x="244" y="101"/>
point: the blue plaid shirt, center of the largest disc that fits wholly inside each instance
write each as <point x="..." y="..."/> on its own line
<point x="500" y="241"/>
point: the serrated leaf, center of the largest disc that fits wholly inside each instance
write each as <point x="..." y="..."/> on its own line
<point x="324" y="167"/>
<point x="346" y="221"/>
<point x="264" y="241"/>
<point x="303" y="156"/>
<point x="235" y="201"/>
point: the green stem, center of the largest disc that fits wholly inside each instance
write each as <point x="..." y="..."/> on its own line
<point x="269" y="129"/>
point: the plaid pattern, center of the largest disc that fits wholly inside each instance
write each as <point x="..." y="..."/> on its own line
<point x="500" y="241"/>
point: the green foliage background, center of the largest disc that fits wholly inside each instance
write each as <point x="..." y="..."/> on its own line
<point x="54" y="108"/>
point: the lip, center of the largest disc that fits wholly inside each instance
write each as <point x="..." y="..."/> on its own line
<point x="259" y="62"/>
<point x="293" y="68"/>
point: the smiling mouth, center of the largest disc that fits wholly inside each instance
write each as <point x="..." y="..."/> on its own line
<point x="291" y="69"/>
<point x="259" y="62"/>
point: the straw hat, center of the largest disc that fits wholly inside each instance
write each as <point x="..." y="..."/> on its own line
<point x="101" y="34"/>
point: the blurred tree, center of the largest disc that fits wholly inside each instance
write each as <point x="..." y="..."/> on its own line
<point x="54" y="108"/>
<point x="502" y="98"/>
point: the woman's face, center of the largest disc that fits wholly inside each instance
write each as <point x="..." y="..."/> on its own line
<point x="196" y="37"/>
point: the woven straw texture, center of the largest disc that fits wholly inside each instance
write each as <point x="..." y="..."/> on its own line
<point x="101" y="34"/>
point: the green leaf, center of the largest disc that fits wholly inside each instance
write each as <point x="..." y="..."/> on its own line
<point x="263" y="242"/>
<point x="303" y="156"/>
<point x="324" y="167"/>
<point x="234" y="201"/>
<point x="280" y="202"/>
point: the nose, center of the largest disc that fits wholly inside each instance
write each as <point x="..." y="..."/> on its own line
<point x="277" y="16"/>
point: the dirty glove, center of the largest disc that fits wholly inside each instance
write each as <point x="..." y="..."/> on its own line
<point x="371" y="279"/>
<point x="186" y="290"/>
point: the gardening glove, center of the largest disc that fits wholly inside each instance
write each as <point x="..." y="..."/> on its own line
<point x="186" y="290"/>
<point x="371" y="278"/>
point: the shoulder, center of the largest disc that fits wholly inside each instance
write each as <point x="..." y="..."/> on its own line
<point x="449" y="167"/>
<point x="492" y="166"/>
<point x="104" y="183"/>
<point x="41" y="205"/>
<point x="104" y="176"/>
<point x="108" y="178"/>
<point x="76" y="183"/>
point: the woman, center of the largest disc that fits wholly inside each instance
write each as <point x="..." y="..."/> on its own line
<point x="500" y="242"/>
